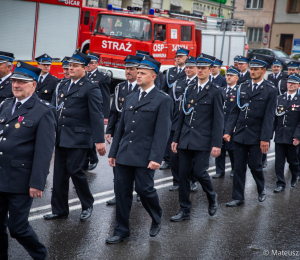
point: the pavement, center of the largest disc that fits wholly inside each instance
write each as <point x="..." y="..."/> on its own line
<point x="267" y="230"/>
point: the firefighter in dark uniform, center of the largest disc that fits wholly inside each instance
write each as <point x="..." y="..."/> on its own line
<point x="287" y="132"/>
<point x="252" y="118"/>
<point x="293" y="67"/>
<point x="236" y="61"/>
<point x="47" y="83"/>
<point x="243" y="64"/>
<point x="80" y="124"/>
<point x="104" y="83"/>
<point x="198" y="134"/>
<point x="27" y="129"/>
<point x="229" y="94"/>
<point x="56" y="97"/>
<point x="178" y="91"/>
<point x="122" y="90"/>
<point x="160" y="79"/>
<point x="277" y="74"/>
<point x="6" y="65"/>
<point x="216" y="77"/>
<point x="172" y="75"/>
<point x="138" y="148"/>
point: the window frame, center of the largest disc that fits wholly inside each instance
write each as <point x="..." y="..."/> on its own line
<point x="182" y="31"/>
<point x="255" y="34"/>
<point x="289" y="5"/>
<point x="85" y="18"/>
<point x="259" y="3"/>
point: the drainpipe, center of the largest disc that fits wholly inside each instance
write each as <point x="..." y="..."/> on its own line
<point x="272" y="23"/>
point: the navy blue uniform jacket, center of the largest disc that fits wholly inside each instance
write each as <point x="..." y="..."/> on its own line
<point x="26" y="152"/>
<point x="256" y="124"/>
<point x="47" y="87"/>
<point x="5" y="89"/>
<point x="171" y="77"/>
<point x="282" y="75"/>
<point x="244" y="78"/>
<point x="220" y="81"/>
<point x="144" y="129"/>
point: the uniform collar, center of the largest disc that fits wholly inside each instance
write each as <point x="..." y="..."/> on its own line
<point x="187" y="78"/>
<point x="202" y="85"/>
<point x="258" y="83"/>
<point x="182" y="68"/>
<point x="213" y="77"/>
<point x="44" y="76"/>
<point x="23" y="100"/>
<point x="292" y="95"/>
<point x="133" y="84"/>
<point x="5" y="77"/>
<point x="147" y="90"/>
<point x="93" y="71"/>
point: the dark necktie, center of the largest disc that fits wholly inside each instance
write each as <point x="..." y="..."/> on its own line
<point x="17" y="105"/>
<point x="188" y="81"/>
<point x="254" y="87"/>
<point x="228" y="90"/>
<point x="41" y="78"/>
<point x="72" y="84"/>
<point x="144" y="93"/>
<point x="289" y="100"/>
<point x="130" y="88"/>
<point x="88" y="74"/>
<point x="179" y="71"/>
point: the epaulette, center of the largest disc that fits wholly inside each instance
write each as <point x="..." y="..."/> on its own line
<point x="215" y="85"/>
<point x="164" y="93"/>
<point x="44" y="102"/>
<point x="55" y="77"/>
<point x="270" y="83"/>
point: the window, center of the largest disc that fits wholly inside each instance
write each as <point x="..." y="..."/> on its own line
<point x="186" y="33"/>
<point x="255" y="34"/>
<point x="200" y="6"/>
<point x="254" y="4"/>
<point x="212" y="10"/>
<point x="208" y="8"/>
<point x="269" y="53"/>
<point x="221" y="12"/>
<point x="204" y="8"/>
<point x="293" y="6"/>
<point x="86" y="20"/>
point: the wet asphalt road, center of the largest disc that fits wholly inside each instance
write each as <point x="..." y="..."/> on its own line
<point x="245" y="232"/>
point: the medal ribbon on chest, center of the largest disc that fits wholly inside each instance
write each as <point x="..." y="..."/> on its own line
<point x="20" y="119"/>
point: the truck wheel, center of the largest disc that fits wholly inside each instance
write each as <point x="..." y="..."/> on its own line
<point x="85" y="49"/>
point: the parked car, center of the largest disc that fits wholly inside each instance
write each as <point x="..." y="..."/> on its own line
<point x="295" y="56"/>
<point x="269" y="55"/>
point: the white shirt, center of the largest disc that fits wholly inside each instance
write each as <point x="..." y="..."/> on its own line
<point x="201" y="86"/>
<point x="22" y="101"/>
<point x="93" y="71"/>
<point x="133" y="85"/>
<point x="228" y="87"/>
<point x="275" y="76"/>
<point x="292" y="95"/>
<point x="5" y="77"/>
<point x="258" y="84"/>
<point x="71" y="83"/>
<point x="178" y="68"/>
<point x="44" y="76"/>
<point x="147" y="91"/>
<point x="190" y="79"/>
<point x="243" y="73"/>
<point x="213" y="77"/>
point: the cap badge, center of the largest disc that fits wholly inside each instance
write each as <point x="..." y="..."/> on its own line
<point x="201" y="55"/>
<point x="128" y="57"/>
<point x="75" y="53"/>
<point x="46" y="55"/>
<point x="254" y="57"/>
<point x="19" y="64"/>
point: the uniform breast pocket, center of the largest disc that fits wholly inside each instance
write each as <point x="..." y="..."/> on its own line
<point x="78" y="95"/>
<point x="148" y="113"/>
<point x="244" y="98"/>
<point x="25" y="129"/>
<point x="260" y="102"/>
<point x="205" y="105"/>
<point x="178" y="89"/>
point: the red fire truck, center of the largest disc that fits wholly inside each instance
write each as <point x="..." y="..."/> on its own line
<point x="30" y="28"/>
<point x="121" y="32"/>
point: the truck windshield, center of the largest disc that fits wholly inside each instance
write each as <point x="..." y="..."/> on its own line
<point x="123" y="26"/>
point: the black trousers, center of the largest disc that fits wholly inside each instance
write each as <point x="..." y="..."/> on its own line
<point x="220" y="160"/>
<point x="92" y="156"/>
<point x="18" y="206"/>
<point x="175" y="166"/>
<point x="201" y="159"/>
<point x="68" y="163"/>
<point x="167" y="155"/>
<point x="252" y="155"/>
<point x="143" y="177"/>
<point x="290" y="152"/>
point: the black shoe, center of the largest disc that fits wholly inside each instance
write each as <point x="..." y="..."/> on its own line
<point x="54" y="216"/>
<point x="264" y="164"/>
<point x="294" y="183"/>
<point x="165" y="166"/>
<point x="212" y="209"/>
<point x="262" y="196"/>
<point x="180" y="217"/>
<point x="114" y="240"/>
<point x="85" y="214"/>
<point x="154" y="229"/>
<point x="218" y="176"/>
<point x="194" y="186"/>
<point x="172" y="188"/>
<point x="235" y="203"/>
<point x="92" y="166"/>
<point x="138" y="198"/>
<point x="232" y="173"/>
<point x="111" y="201"/>
<point x="279" y="189"/>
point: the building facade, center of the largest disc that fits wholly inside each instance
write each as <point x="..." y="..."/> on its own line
<point x="286" y="26"/>
<point x="257" y="14"/>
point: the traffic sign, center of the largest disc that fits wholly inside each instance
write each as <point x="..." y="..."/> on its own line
<point x="267" y="28"/>
<point x="265" y="40"/>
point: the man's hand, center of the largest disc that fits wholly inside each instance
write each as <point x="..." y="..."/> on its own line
<point x="215" y="151"/>
<point x="226" y="138"/>
<point x="101" y="148"/>
<point x="174" y="147"/>
<point x="105" y="121"/>
<point x="296" y="141"/>
<point x="264" y="146"/>
<point x="108" y="138"/>
<point x="153" y="165"/>
<point x="35" y="193"/>
<point x="112" y="162"/>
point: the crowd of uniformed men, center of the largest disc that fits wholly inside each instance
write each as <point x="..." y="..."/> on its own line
<point x="183" y="118"/>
